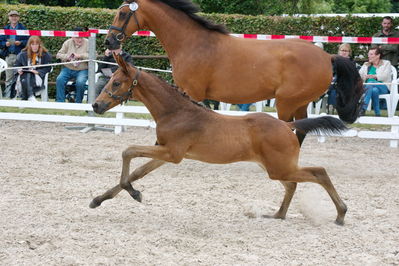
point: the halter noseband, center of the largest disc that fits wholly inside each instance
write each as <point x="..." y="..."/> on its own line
<point x="121" y="35"/>
<point x="127" y="95"/>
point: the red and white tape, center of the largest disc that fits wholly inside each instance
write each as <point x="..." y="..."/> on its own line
<point x="322" y="39"/>
<point x="49" y="33"/>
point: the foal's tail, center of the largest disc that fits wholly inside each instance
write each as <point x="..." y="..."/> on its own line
<point x="324" y="124"/>
<point x="349" y="88"/>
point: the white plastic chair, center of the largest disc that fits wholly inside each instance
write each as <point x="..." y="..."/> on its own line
<point x="318" y="105"/>
<point x="394" y="96"/>
<point x="3" y="66"/>
<point x="393" y="89"/>
<point x="44" y="92"/>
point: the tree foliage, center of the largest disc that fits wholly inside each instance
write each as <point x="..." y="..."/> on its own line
<point x="362" y="6"/>
<point x="253" y="7"/>
<point x="272" y="7"/>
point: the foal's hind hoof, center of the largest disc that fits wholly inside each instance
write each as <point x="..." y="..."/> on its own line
<point x="137" y="195"/>
<point x="94" y="203"/>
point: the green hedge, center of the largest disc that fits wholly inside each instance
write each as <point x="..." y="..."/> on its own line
<point x="65" y="18"/>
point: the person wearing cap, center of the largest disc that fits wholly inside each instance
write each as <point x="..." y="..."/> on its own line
<point x="73" y="50"/>
<point x="11" y="45"/>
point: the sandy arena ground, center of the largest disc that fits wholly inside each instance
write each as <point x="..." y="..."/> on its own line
<point x="192" y="213"/>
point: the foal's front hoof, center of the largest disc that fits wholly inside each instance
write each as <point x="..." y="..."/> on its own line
<point x="339" y="221"/>
<point x="275" y="216"/>
<point x="94" y="203"/>
<point x="137" y="195"/>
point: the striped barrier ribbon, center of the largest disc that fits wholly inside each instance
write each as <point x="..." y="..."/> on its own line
<point x="322" y="39"/>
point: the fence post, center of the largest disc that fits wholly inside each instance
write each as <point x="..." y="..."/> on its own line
<point x="91" y="94"/>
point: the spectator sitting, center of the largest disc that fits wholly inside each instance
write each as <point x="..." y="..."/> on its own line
<point x="208" y="103"/>
<point x="31" y="79"/>
<point x="375" y="71"/>
<point x="344" y="50"/>
<point x="244" y="107"/>
<point x="11" y="45"/>
<point x="73" y="49"/>
<point x="388" y="51"/>
<point x="107" y="70"/>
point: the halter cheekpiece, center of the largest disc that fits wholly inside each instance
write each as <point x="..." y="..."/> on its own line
<point x="133" y="6"/>
<point x="127" y="95"/>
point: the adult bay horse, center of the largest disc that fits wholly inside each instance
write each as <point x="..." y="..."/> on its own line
<point x="188" y="130"/>
<point x="208" y="63"/>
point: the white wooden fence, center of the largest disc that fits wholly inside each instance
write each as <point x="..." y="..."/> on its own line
<point x="119" y="121"/>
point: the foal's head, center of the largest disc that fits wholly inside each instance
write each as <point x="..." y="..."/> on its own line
<point x="119" y="88"/>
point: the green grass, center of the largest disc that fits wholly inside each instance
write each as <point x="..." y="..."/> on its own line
<point x="72" y="112"/>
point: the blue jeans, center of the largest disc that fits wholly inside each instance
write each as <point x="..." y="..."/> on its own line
<point x="372" y="91"/>
<point x="332" y="97"/>
<point x="244" y="107"/>
<point x="65" y="75"/>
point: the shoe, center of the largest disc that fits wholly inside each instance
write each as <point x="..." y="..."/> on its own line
<point x="32" y="99"/>
<point x="362" y="112"/>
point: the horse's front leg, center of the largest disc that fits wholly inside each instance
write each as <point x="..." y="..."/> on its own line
<point x="135" y="175"/>
<point x="156" y="152"/>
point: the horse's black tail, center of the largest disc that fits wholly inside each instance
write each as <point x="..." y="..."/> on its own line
<point x="349" y="88"/>
<point x="323" y="124"/>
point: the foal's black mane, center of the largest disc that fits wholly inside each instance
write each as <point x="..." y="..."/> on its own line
<point x="190" y="10"/>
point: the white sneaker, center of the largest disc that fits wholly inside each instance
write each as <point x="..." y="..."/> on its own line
<point x="32" y="99"/>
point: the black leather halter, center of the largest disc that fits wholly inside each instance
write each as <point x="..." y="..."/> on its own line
<point x="122" y="35"/>
<point x="127" y="95"/>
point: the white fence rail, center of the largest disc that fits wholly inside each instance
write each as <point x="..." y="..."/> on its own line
<point x="119" y="120"/>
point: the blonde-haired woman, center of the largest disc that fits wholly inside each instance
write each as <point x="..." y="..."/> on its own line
<point x="345" y="50"/>
<point x="31" y="79"/>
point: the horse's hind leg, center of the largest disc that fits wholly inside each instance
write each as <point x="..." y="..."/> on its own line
<point x="136" y="174"/>
<point x="290" y="188"/>
<point x="320" y="176"/>
<point x="286" y="113"/>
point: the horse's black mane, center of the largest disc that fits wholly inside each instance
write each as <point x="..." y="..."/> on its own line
<point x="191" y="9"/>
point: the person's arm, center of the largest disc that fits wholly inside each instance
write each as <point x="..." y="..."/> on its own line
<point x="363" y="72"/>
<point x="384" y="72"/>
<point x="23" y="39"/>
<point x="107" y="58"/>
<point x="386" y="48"/>
<point x="63" y="52"/>
<point x="45" y="60"/>
<point x="19" y="62"/>
<point x="85" y="54"/>
<point x="128" y="58"/>
<point x="389" y="48"/>
<point x="3" y="41"/>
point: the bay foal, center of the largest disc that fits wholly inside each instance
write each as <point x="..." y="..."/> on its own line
<point x="187" y="130"/>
